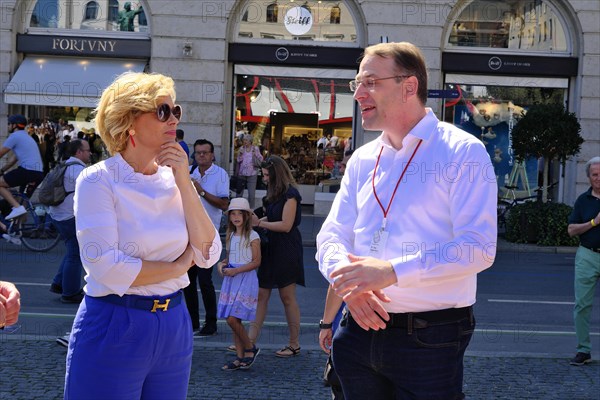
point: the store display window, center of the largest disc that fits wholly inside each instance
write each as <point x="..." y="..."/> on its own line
<point x="306" y="121"/>
<point x="490" y="112"/>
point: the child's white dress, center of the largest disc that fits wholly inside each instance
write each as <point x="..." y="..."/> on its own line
<point x="239" y="293"/>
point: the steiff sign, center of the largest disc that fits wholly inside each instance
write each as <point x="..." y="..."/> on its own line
<point x="83" y="46"/>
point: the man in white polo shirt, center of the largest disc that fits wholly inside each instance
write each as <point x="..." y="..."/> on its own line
<point x="212" y="184"/>
<point x="29" y="160"/>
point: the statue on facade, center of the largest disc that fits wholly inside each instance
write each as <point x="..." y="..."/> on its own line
<point x="126" y="17"/>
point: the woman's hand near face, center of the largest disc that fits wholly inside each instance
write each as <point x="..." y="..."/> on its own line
<point x="172" y="155"/>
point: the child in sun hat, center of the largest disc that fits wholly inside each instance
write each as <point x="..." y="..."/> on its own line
<point x="239" y="291"/>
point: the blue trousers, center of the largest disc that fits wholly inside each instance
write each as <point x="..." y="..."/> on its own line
<point x="69" y="272"/>
<point x="117" y="352"/>
<point x="395" y="363"/>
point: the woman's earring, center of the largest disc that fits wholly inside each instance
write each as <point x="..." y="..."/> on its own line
<point x="131" y="138"/>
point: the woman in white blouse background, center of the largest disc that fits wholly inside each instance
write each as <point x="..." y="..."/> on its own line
<point x="140" y="227"/>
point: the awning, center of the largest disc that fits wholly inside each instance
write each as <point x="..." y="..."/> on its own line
<point x="65" y="81"/>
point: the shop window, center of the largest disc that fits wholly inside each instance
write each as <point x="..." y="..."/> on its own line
<point x="490" y="112"/>
<point x="272" y="11"/>
<point x="513" y="25"/>
<point x="307" y="121"/>
<point x="91" y="11"/>
<point x="314" y="20"/>
<point x="96" y="15"/>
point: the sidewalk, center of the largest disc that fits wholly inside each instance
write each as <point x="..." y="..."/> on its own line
<point x="34" y="369"/>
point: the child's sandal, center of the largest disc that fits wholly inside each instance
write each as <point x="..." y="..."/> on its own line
<point x="246" y="362"/>
<point x="233" y="365"/>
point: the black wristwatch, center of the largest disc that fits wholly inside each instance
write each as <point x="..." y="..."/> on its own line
<point x="323" y="325"/>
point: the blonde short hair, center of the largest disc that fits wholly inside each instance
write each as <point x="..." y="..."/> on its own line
<point x="131" y="94"/>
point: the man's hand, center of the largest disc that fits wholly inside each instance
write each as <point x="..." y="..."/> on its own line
<point x="367" y="310"/>
<point x="10" y="304"/>
<point x="363" y="274"/>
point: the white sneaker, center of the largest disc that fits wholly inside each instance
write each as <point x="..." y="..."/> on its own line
<point x="63" y="340"/>
<point x="12" y="239"/>
<point x="16" y="212"/>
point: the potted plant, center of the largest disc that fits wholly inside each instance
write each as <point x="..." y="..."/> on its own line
<point x="551" y="132"/>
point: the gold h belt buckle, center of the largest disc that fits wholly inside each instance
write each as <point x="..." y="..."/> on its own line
<point x="157" y="305"/>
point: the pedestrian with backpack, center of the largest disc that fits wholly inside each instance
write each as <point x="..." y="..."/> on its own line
<point x="67" y="281"/>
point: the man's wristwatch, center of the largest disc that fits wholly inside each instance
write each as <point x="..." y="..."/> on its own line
<point x="323" y="325"/>
<point x="202" y="193"/>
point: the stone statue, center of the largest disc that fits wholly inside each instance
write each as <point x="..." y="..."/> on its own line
<point x="126" y="17"/>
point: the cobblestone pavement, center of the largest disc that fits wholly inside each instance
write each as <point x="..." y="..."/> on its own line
<point x="34" y="369"/>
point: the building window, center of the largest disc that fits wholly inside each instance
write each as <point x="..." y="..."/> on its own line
<point x="334" y="15"/>
<point x="272" y="11"/>
<point x="113" y="10"/>
<point x="260" y="20"/>
<point x="502" y="24"/>
<point x="91" y="11"/>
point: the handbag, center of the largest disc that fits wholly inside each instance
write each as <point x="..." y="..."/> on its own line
<point x="257" y="161"/>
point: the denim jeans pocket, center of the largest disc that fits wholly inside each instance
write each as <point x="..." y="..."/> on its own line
<point x="444" y="335"/>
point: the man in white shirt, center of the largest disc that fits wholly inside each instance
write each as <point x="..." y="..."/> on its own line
<point x="411" y="226"/>
<point x="67" y="281"/>
<point x="212" y="184"/>
<point x="30" y="166"/>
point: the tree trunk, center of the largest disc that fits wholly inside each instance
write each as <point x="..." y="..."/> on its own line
<point x="545" y="187"/>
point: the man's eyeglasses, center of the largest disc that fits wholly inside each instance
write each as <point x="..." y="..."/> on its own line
<point x="369" y="83"/>
<point x="164" y="111"/>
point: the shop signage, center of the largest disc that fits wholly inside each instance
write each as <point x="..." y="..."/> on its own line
<point x="294" y="55"/>
<point x="510" y="64"/>
<point x="298" y="20"/>
<point x="83" y="46"/>
<point x="443" y="94"/>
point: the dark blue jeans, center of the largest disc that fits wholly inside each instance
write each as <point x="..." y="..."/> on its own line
<point x="69" y="272"/>
<point x="395" y="363"/>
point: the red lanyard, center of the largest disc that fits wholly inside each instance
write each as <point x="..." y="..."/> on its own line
<point x="386" y="210"/>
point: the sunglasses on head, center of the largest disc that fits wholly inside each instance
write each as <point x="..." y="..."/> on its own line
<point x="164" y="111"/>
<point x="268" y="163"/>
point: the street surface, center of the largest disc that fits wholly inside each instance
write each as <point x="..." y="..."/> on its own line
<point x="521" y="348"/>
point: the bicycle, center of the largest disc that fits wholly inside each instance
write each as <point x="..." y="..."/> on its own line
<point x="34" y="229"/>
<point x="505" y="205"/>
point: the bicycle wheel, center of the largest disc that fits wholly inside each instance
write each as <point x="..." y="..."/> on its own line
<point x="37" y="231"/>
<point x="502" y="211"/>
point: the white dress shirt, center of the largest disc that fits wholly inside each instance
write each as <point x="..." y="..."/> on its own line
<point x="64" y="210"/>
<point x="441" y="223"/>
<point x="124" y="217"/>
<point x="216" y="182"/>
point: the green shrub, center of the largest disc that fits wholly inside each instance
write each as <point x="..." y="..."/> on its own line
<point x="541" y="223"/>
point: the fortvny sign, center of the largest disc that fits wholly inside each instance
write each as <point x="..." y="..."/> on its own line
<point x="298" y="20"/>
<point x="83" y="46"/>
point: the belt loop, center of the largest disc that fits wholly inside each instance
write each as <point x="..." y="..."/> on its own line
<point x="410" y="323"/>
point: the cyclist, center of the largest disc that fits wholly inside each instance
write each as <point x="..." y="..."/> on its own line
<point x="30" y="165"/>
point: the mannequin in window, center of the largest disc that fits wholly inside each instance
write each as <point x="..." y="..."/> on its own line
<point x="126" y="17"/>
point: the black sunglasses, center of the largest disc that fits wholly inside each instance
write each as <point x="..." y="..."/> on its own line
<point x="164" y="111"/>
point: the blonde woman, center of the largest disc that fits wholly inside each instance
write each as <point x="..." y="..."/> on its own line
<point x="140" y="227"/>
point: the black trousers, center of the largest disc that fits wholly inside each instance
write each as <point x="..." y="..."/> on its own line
<point x="202" y="276"/>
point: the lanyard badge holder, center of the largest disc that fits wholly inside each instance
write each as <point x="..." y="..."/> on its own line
<point x="380" y="236"/>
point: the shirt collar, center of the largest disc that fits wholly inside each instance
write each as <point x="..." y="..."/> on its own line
<point x="422" y="130"/>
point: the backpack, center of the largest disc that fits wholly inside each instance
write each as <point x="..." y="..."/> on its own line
<point x="51" y="192"/>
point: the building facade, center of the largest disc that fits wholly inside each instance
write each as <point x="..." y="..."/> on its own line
<point x="279" y="69"/>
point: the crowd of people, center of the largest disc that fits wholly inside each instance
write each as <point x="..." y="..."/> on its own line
<point x="397" y="320"/>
